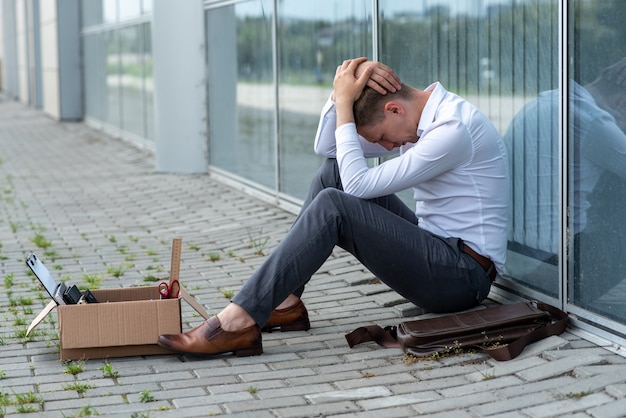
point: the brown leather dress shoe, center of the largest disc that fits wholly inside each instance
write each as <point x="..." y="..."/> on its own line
<point x="209" y="338"/>
<point x="293" y="318"/>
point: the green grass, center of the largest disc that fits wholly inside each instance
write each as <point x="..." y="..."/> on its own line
<point x="79" y="387"/>
<point x="40" y="241"/>
<point x="146" y="396"/>
<point x="117" y="271"/>
<point x="74" y="368"/>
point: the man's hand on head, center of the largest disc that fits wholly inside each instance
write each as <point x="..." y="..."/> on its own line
<point x="382" y="79"/>
<point x="348" y="87"/>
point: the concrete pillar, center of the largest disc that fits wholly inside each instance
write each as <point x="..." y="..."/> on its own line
<point x="10" y="75"/>
<point x="61" y="66"/>
<point x="178" y="51"/>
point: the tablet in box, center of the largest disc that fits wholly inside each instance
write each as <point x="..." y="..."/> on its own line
<point x="54" y="289"/>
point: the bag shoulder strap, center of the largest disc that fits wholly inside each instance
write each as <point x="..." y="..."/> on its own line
<point x="382" y="336"/>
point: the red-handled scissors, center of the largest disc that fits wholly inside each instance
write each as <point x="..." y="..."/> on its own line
<point x="169" y="290"/>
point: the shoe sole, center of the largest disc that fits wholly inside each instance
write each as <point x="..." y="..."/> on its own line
<point x="242" y="352"/>
<point x="303" y="325"/>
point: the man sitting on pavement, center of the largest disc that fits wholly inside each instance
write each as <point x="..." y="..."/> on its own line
<point x="443" y="256"/>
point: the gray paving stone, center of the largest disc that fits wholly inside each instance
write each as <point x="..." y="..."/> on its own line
<point x="553" y="342"/>
<point x="454" y="404"/>
<point x="588" y="371"/>
<point x="554" y="355"/>
<point x="618" y="391"/>
<point x="568" y="406"/>
<point x="383" y="403"/>
<point x="535" y="387"/>
<point x="512" y="404"/>
<point x="558" y="367"/>
<point x="365" y="392"/>
<point x="512" y="414"/>
<point x="615" y="409"/>
<point x="396" y="412"/>
<point x="593" y="383"/>
<point x="267" y="393"/>
<point x="487" y="385"/>
<point x="319" y="410"/>
<point x="264" y="404"/>
<point x="451" y="414"/>
<point x="496" y="368"/>
<point x="393" y="378"/>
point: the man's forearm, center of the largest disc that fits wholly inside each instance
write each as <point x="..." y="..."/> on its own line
<point x="345" y="114"/>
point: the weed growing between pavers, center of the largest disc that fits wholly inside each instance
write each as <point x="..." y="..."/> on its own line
<point x="108" y="371"/>
<point x="259" y="242"/>
<point x="74" y="368"/>
<point x="79" y="387"/>
<point x="227" y="293"/>
<point x="22" y="402"/>
<point x="146" y="396"/>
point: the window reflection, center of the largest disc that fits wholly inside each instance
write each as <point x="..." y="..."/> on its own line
<point x="132" y="79"/>
<point x="312" y="40"/>
<point x="148" y="81"/>
<point x="499" y="55"/>
<point x="529" y="33"/>
<point x="118" y="68"/>
<point x="95" y="85"/>
<point x="532" y="141"/>
<point x="110" y="8"/>
<point x="241" y="90"/>
<point x="129" y="9"/>
<point x="598" y="159"/>
<point x="112" y="77"/>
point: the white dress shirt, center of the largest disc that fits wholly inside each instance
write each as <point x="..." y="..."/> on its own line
<point x="457" y="170"/>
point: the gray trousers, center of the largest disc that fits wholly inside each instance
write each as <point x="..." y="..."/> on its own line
<point x="383" y="234"/>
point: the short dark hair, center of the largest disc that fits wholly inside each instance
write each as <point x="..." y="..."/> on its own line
<point x="368" y="108"/>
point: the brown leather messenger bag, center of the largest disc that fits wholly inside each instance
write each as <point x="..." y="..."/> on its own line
<point x="502" y="331"/>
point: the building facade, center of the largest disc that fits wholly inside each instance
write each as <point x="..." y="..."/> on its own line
<point x="234" y="88"/>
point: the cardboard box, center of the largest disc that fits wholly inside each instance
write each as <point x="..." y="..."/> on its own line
<point x="125" y="322"/>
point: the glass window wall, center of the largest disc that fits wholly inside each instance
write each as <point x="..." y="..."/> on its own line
<point x="131" y="79"/>
<point x="94" y="76"/>
<point x="241" y="90"/>
<point x="118" y="67"/>
<point x="500" y="55"/>
<point x="597" y="158"/>
<point x="312" y="41"/>
<point x="112" y="77"/>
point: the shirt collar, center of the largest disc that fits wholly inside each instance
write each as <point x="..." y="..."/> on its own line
<point x="430" y="109"/>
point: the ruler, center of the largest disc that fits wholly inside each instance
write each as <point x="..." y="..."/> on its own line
<point x="175" y="263"/>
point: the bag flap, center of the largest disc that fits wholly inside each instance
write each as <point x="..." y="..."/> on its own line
<point x="477" y="321"/>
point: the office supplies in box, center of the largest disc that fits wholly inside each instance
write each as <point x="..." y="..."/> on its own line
<point x="124" y="322"/>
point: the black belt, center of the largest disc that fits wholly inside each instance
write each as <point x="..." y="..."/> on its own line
<point x="484" y="262"/>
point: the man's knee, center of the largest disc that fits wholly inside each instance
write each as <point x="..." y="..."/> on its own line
<point x="327" y="199"/>
<point x="328" y="173"/>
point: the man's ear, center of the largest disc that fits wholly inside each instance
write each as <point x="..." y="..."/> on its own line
<point x="394" y="107"/>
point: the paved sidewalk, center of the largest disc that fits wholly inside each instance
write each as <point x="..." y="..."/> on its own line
<point x="92" y="208"/>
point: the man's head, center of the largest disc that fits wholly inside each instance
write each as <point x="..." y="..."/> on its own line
<point x="390" y="120"/>
<point x="369" y="108"/>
